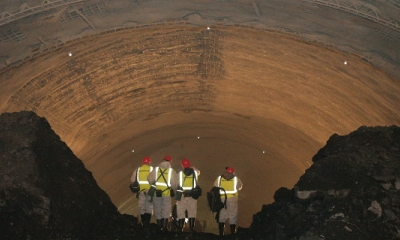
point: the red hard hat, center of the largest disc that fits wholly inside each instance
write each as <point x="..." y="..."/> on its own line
<point x="146" y="160"/>
<point x="230" y="170"/>
<point x="185" y="163"/>
<point x="167" y="158"/>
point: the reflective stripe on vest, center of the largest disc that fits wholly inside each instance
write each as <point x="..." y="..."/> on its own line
<point x="187" y="183"/>
<point x="142" y="174"/>
<point x="228" y="185"/>
<point x="161" y="184"/>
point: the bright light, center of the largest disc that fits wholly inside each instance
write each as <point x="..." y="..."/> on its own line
<point x="70" y="54"/>
<point x="133" y="150"/>
<point x="208" y="28"/>
<point x="198" y="137"/>
<point x="345" y="62"/>
<point x="263" y="151"/>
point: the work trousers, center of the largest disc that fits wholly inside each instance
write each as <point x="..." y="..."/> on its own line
<point x="162" y="207"/>
<point x="145" y="204"/>
<point x="186" y="204"/>
<point x="231" y="211"/>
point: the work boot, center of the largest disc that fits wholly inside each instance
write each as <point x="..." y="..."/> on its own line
<point x="191" y="224"/>
<point x="146" y="221"/>
<point x="160" y="223"/>
<point x="221" y="227"/>
<point x="143" y="218"/>
<point x="233" y="228"/>
<point x="181" y="224"/>
<point x="165" y="225"/>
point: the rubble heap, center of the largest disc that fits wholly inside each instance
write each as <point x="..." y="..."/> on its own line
<point x="45" y="190"/>
<point x="352" y="191"/>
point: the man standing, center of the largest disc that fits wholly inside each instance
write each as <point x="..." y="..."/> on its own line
<point x="145" y="205"/>
<point x="232" y="185"/>
<point x="164" y="179"/>
<point x="188" y="179"/>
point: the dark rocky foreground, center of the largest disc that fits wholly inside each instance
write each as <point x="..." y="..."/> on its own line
<point x="352" y="191"/>
<point x="45" y="190"/>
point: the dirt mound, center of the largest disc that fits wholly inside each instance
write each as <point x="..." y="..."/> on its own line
<point x="352" y="191"/>
<point x="45" y="190"/>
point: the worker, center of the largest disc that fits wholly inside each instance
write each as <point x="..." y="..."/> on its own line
<point x="145" y="205"/>
<point x="188" y="180"/>
<point x="231" y="185"/>
<point x="164" y="180"/>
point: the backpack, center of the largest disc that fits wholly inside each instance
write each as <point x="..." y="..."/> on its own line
<point x="135" y="186"/>
<point x="196" y="192"/>
<point x="214" y="199"/>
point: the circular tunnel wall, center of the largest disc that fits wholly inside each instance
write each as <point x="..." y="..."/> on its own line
<point x="258" y="101"/>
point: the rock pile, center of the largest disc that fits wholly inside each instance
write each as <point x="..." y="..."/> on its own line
<point x="45" y="190"/>
<point x="352" y="191"/>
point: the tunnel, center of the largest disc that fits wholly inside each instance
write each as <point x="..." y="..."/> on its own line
<point x="254" y="85"/>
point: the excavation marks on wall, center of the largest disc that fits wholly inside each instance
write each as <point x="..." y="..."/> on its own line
<point x="210" y="65"/>
<point x="25" y="10"/>
<point x="12" y="36"/>
<point x="362" y="9"/>
<point x="395" y="4"/>
<point x="387" y="33"/>
<point x="129" y="74"/>
<point x="73" y="14"/>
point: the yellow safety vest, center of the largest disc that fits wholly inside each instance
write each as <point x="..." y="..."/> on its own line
<point x="141" y="176"/>
<point x="187" y="182"/>
<point x="160" y="182"/>
<point x="229" y="186"/>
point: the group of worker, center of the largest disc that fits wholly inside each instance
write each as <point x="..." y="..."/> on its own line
<point x="160" y="185"/>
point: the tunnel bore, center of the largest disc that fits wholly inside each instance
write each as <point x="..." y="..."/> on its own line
<point x="259" y="101"/>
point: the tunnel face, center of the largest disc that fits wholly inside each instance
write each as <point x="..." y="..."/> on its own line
<point x="259" y="101"/>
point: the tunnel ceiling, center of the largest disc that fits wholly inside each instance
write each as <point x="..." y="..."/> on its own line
<point x="249" y="86"/>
